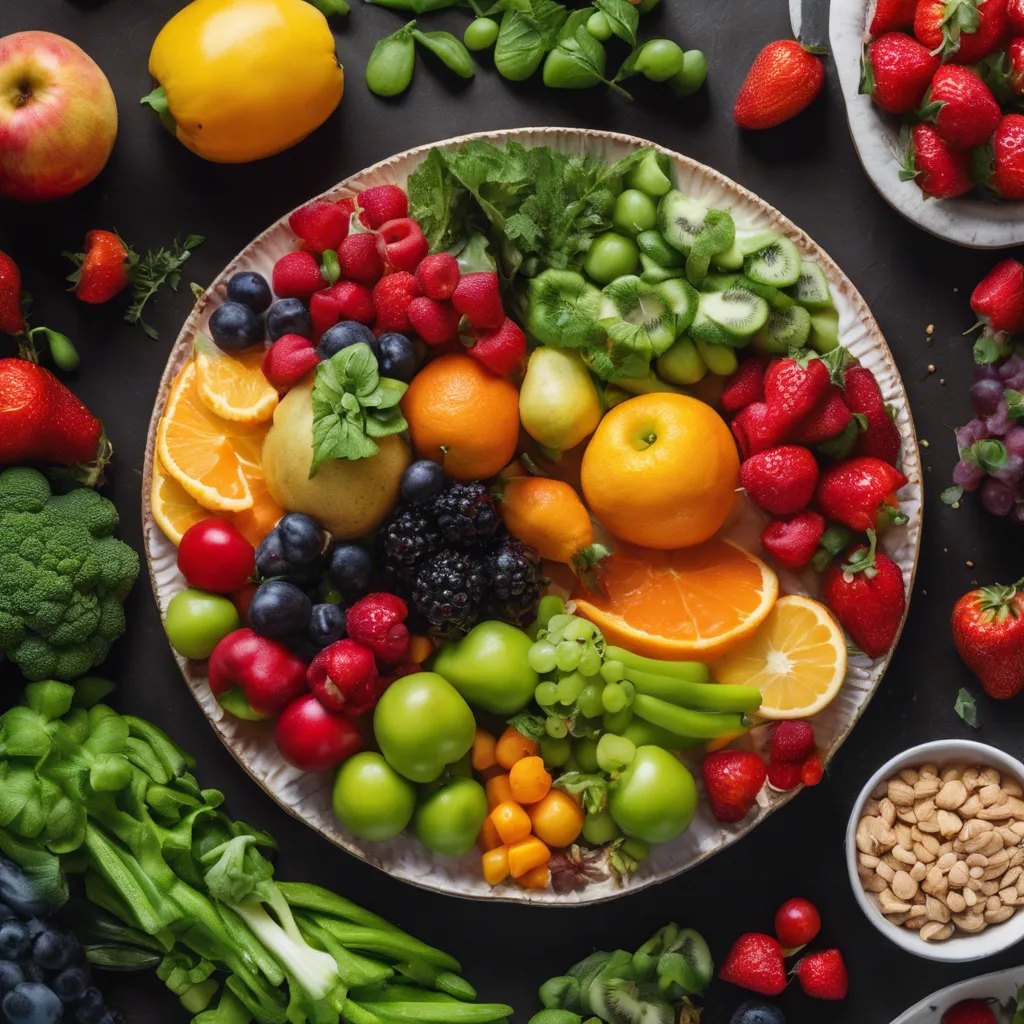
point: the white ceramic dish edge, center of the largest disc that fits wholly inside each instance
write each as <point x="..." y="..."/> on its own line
<point x="1001" y="985"/>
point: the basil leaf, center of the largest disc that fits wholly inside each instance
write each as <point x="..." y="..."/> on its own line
<point x="387" y="394"/>
<point x="966" y="707"/>
<point x="623" y="17"/>
<point x="383" y="424"/>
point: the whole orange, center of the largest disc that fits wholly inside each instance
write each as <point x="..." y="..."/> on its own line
<point x="463" y="416"/>
<point x="662" y="471"/>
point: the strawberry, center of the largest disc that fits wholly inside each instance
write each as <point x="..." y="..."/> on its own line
<point x="784" y="79"/>
<point x="784" y="775"/>
<point x="401" y="244"/>
<point x="296" y="276"/>
<point x="435" y="322"/>
<point x="733" y="779"/>
<point x="392" y="296"/>
<point x="970" y="1011"/>
<point x="1015" y="17"/>
<point x="288" y="360"/>
<point x="792" y="740"/>
<point x="828" y="419"/>
<point x="896" y="71"/>
<point x="988" y="630"/>
<point x="359" y="260"/>
<point x="866" y="594"/>
<point x="755" y="962"/>
<point x="1015" y="57"/>
<point x="794" y="541"/>
<point x="880" y="437"/>
<point x="103" y="270"/>
<point x="746" y="385"/>
<point x="1000" y="165"/>
<point x="892" y="14"/>
<point x="939" y="169"/>
<point x="780" y="480"/>
<point x="755" y="429"/>
<point x="42" y="421"/>
<point x="377" y="621"/>
<point x="823" y="975"/>
<point x="382" y="203"/>
<point x="478" y="299"/>
<point x="961" y="106"/>
<point x="812" y="771"/>
<point x="321" y="225"/>
<point x="989" y="36"/>
<point x="11" y="320"/>
<point x="861" y="493"/>
<point x="344" y="300"/>
<point x="501" y="351"/>
<point x="940" y="24"/>
<point x="792" y="388"/>
<point x="998" y="299"/>
<point x="439" y="275"/>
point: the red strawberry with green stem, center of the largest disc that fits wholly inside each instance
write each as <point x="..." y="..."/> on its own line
<point x="733" y="779"/>
<point x="103" y="270"/>
<point x="755" y="429"/>
<point x="939" y="24"/>
<point x="746" y="385"/>
<point x="823" y="975"/>
<point x="939" y="169"/>
<point x="755" y="962"/>
<point x="867" y="597"/>
<point x="879" y="436"/>
<point x="501" y="351"/>
<point x="1015" y="58"/>
<point x="961" y="106"/>
<point x="987" y="38"/>
<point x="892" y="14"/>
<point x="793" y="542"/>
<point x="999" y="165"/>
<point x="861" y="493"/>
<point x="998" y="298"/>
<point x="382" y="203"/>
<point x="896" y="71"/>
<point x="828" y="419"/>
<point x="784" y="80"/>
<point x="1015" y="17"/>
<point x="321" y="225"/>
<point x="793" y="387"/>
<point x="988" y="630"/>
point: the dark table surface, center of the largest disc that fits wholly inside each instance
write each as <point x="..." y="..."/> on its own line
<point x="153" y="189"/>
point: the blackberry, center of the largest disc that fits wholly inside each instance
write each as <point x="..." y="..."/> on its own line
<point x="407" y="540"/>
<point x="514" y="577"/>
<point x="449" y="591"/>
<point x="466" y="515"/>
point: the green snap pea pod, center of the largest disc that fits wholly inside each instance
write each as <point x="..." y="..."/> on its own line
<point x="174" y="759"/>
<point x="356" y="1014"/>
<point x="698" y="696"/>
<point x="438" y="1013"/>
<point x="396" y="945"/>
<point x="392" y="62"/>
<point x="646" y="734"/>
<point x="448" y="50"/>
<point x="391" y="993"/>
<point x="114" y="957"/>
<point x="312" y="897"/>
<point x="62" y="349"/>
<point x="353" y="969"/>
<point x="430" y="976"/>
<point x="683" y="722"/>
<point x="693" y="671"/>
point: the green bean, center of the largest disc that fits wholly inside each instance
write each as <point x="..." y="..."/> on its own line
<point x="331" y="266"/>
<point x="355" y="1014"/>
<point x="481" y="33"/>
<point x="392" y="62"/>
<point x="683" y="722"/>
<point x="396" y="945"/>
<point x="312" y="897"/>
<point x="448" y="50"/>
<point x="114" y="957"/>
<point x="698" y="696"/>
<point x="437" y="1013"/>
<point x="430" y="976"/>
<point x="692" y="671"/>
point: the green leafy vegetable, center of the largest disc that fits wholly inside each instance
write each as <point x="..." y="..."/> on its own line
<point x="989" y="454"/>
<point x="623" y="18"/>
<point x="966" y="707"/>
<point x="987" y="350"/>
<point x="152" y="271"/>
<point x="352" y="405"/>
<point x="529" y="28"/>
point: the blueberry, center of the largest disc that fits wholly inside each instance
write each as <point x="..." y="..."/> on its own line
<point x="71" y="983"/>
<point x="302" y="540"/>
<point x="10" y="976"/>
<point x="423" y="481"/>
<point x="326" y="624"/>
<point x="235" y="327"/>
<point x="53" y="950"/>
<point x="33" y="971"/>
<point x="90" y="1009"/>
<point x="251" y="289"/>
<point x="757" y="1011"/>
<point x="36" y="925"/>
<point x="398" y="359"/>
<point x="351" y="570"/>
<point x="278" y="609"/>
<point x="302" y="646"/>
<point x="289" y="316"/>
<point x="13" y="940"/>
<point x="108" y="1018"/>
<point x="17" y="892"/>
<point x="348" y="332"/>
<point x="32" y="1003"/>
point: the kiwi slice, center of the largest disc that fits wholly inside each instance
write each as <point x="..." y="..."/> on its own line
<point x="624" y="1001"/>
<point x="717" y="235"/>
<point x="824" y="331"/>
<point x="744" y="244"/>
<point x="651" y="175"/>
<point x="636" y="318"/>
<point x="811" y="289"/>
<point x="563" y="309"/>
<point x="749" y="242"/>
<point x="654" y="273"/>
<point x="652" y="244"/>
<point x="723" y="282"/>
<point x="729" y="259"/>
<point x="777" y="264"/>
<point x="786" y="329"/>
<point x="682" y="299"/>
<point x="680" y="220"/>
<point x="730" y="317"/>
<point x="686" y="967"/>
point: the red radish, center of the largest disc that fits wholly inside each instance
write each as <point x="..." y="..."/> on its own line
<point x="359" y="260"/>
<point x="313" y="739"/>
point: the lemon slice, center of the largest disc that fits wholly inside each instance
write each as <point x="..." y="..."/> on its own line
<point x="174" y="509"/>
<point x="797" y="659"/>
<point x="233" y="386"/>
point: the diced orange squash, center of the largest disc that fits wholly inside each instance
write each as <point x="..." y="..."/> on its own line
<point x="526" y="855"/>
<point x="488" y="838"/>
<point x="514" y="746"/>
<point x="536" y="878"/>
<point x="495" y="865"/>
<point x="511" y="821"/>
<point x="483" y="750"/>
<point x="498" y="790"/>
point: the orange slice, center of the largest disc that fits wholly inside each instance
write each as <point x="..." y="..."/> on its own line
<point x="233" y="386"/>
<point x="693" y="603"/>
<point x="198" y="448"/>
<point x="797" y="659"/>
<point x="174" y="509"/>
<point x="256" y="522"/>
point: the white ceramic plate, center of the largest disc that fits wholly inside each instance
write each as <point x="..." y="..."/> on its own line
<point x="976" y="223"/>
<point x="1002" y="986"/>
<point x="308" y="796"/>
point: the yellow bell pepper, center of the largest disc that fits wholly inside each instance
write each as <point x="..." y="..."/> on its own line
<point x="243" y="79"/>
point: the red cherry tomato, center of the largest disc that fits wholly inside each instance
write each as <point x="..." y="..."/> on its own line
<point x="314" y="739"/>
<point x="214" y="556"/>
<point x="796" y="923"/>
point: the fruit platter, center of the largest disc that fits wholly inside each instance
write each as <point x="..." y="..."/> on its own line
<point x="562" y="651"/>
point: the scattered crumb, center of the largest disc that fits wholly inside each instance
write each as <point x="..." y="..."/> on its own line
<point x="945" y="551"/>
<point x="970" y="564"/>
<point x="956" y="504"/>
<point x="931" y="367"/>
<point x="955" y="290"/>
<point x="924" y="443"/>
<point x="942" y="380"/>
<point x="974" y="583"/>
<point x="930" y="329"/>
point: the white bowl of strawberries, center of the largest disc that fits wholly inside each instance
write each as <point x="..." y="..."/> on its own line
<point x="931" y="105"/>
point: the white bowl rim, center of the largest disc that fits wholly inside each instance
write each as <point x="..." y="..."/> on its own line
<point x="960" y="949"/>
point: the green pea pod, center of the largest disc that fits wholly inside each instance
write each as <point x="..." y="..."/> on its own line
<point x="448" y="50"/>
<point x="393" y="944"/>
<point x="354" y="969"/>
<point x="356" y="1014"/>
<point x="683" y="722"/>
<point x="694" y="671"/>
<point x="392" y="62"/>
<point x="63" y="351"/>
<point x="313" y="897"/>
<point x="331" y="266"/>
<point x="698" y="696"/>
<point x="430" y="976"/>
<point x="555" y="1017"/>
<point x="90" y="691"/>
<point x="111" y="957"/>
<point x="436" y="1013"/>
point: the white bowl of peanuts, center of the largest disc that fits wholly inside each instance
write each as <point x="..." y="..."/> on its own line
<point x="935" y="850"/>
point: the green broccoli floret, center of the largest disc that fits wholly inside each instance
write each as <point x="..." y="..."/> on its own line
<point x="63" y="576"/>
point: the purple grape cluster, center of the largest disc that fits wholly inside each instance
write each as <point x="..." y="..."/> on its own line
<point x="992" y="444"/>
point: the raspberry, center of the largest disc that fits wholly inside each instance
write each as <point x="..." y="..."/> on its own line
<point x="478" y="299"/>
<point x="382" y="203"/>
<point x="435" y="322"/>
<point x="783" y="775"/>
<point x="297" y="276"/>
<point x="401" y="244"/>
<point x="812" y="770"/>
<point x="391" y="298"/>
<point x="439" y="275"/>
<point x="288" y="360"/>
<point x="377" y="621"/>
<point x="792" y="740"/>
<point x="320" y="224"/>
<point x="359" y="259"/>
<point x="501" y="351"/>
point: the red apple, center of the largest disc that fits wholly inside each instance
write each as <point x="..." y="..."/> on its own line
<point x="58" y="117"/>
